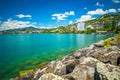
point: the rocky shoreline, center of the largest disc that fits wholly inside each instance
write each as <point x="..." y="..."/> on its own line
<point x="99" y="61"/>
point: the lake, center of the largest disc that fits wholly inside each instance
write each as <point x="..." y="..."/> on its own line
<point x="26" y="51"/>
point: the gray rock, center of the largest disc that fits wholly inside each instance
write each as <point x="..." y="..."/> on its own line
<point x="51" y="76"/>
<point x="66" y="58"/>
<point x="90" y="53"/>
<point x="82" y="72"/>
<point x="28" y="77"/>
<point x="99" y="44"/>
<point x="89" y="61"/>
<point x="60" y="68"/>
<point x="70" y="65"/>
<point x="112" y="57"/>
<point x="113" y="48"/>
<point x="17" y="78"/>
<point x="77" y="54"/>
<point x="108" y="72"/>
<point x="90" y="47"/>
<point x="39" y="73"/>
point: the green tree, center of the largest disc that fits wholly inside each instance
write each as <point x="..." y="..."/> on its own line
<point x="113" y="28"/>
<point x="107" y="26"/>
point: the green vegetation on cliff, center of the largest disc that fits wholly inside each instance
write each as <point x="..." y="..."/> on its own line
<point x="107" y="22"/>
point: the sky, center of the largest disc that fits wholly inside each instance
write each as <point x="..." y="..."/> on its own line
<point x="52" y="13"/>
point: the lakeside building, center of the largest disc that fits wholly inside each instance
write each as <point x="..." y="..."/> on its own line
<point x="90" y="26"/>
<point x="81" y="26"/>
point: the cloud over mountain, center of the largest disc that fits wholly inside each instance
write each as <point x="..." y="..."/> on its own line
<point x="62" y="16"/>
<point x="15" y="24"/>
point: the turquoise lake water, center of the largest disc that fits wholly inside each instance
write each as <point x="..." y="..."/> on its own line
<point x="26" y="51"/>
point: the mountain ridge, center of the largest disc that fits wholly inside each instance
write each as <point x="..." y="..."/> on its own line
<point x="105" y="22"/>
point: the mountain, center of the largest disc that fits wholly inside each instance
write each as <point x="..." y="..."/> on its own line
<point x="107" y="22"/>
<point x="104" y="18"/>
<point x="21" y="30"/>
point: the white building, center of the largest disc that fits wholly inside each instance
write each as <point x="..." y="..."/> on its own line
<point x="81" y="26"/>
<point x="90" y="26"/>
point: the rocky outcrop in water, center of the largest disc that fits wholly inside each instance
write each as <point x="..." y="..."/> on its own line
<point x="99" y="61"/>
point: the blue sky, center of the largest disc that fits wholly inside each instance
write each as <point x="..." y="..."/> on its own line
<point x="52" y="13"/>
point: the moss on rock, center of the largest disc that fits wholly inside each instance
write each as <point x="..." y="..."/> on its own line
<point x="117" y="36"/>
<point x="25" y="72"/>
<point x="42" y="65"/>
<point x="111" y="41"/>
<point x="108" y="43"/>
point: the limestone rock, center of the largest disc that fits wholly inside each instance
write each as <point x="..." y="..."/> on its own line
<point x="88" y="61"/>
<point x="111" y="57"/>
<point x="60" y="68"/>
<point x="82" y="72"/>
<point x="51" y="76"/>
<point x="39" y="73"/>
<point x="114" y="48"/>
<point x="91" y="47"/>
<point x="17" y="78"/>
<point x="70" y="65"/>
<point x="77" y="54"/>
<point x="66" y="58"/>
<point x="99" y="44"/>
<point x="110" y="72"/>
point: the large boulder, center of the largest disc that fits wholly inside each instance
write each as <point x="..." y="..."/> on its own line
<point x="99" y="44"/>
<point x="77" y="54"/>
<point x="39" y="73"/>
<point x="113" y="48"/>
<point x="108" y="71"/>
<point x="66" y="58"/>
<point x="51" y="76"/>
<point x="111" y="57"/>
<point x="81" y="72"/>
<point x="89" y="61"/>
<point x="60" y="68"/>
<point x="70" y="65"/>
<point x="84" y="70"/>
<point x="48" y="69"/>
<point x="91" y="47"/>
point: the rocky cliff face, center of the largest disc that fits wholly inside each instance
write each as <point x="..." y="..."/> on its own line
<point x="95" y="62"/>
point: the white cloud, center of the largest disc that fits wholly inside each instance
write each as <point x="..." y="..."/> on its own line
<point x="62" y="16"/>
<point x="101" y="11"/>
<point x="70" y="13"/>
<point x="59" y="16"/>
<point x="15" y="24"/>
<point x="70" y="22"/>
<point x="24" y="16"/>
<point x="116" y="1"/>
<point x="84" y="18"/>
<point x="85" y="8"/>
<point x="112" y="10"/>
<point x="118" y="9"/>
<point x="97" y="12"/>
<point x="98" y="4"/>
<point x="53" y="18"/>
